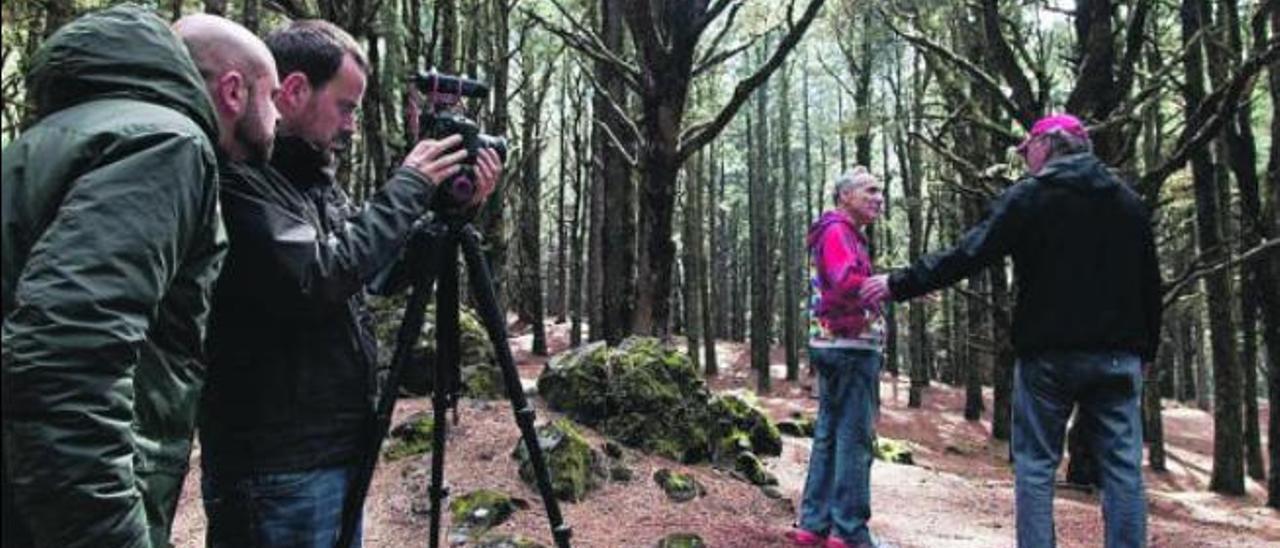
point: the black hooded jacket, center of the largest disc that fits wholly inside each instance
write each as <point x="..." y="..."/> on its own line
<point x="1084" y="261"/>
<point x="292" y="344"/>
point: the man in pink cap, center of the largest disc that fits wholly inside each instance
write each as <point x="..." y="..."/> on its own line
<point x="1087" y="317"/>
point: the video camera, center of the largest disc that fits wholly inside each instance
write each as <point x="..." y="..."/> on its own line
<point x="442" y="118"/>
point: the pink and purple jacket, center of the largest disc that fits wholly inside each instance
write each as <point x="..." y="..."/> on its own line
<point x="839" y="263"/>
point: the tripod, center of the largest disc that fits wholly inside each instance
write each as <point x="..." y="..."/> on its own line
<point x="433" y="261"/>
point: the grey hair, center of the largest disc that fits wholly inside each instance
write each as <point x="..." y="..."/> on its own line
<point x="1062" y="143"/>
<point x="855" y="177"/>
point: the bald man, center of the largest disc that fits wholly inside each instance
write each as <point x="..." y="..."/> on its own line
<point x="240" y="76"/>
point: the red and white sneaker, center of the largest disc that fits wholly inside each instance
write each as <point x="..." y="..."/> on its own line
<point x="806" y="538"/>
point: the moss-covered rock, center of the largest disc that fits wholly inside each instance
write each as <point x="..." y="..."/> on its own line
<point x="679" y="487"/>
<point x="481" y="377"/>
<point x="507" y="541"/>
<point x="647" y="395"/>
<point x="411" y="437"/>
<point x="798" y="427"/>
<point x="481" y="510"/>
<point x="738" y="412"/>
<point x="753" y="470"/>
<point x="577" y="383"/>
<point x="575" y="467"/>
<point x="682" y="540"/>
<point x="891" y="450"/>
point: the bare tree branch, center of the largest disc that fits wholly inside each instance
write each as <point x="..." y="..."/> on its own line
<point x="1172" y="290"/>
<point x="1205" y="123"/>
<point x="590" y="44"/>
<point x="985" y="80"/>
<point x="636" y="136"/>
<point x="691" y="141"/>
<point x="1024" y="98"/>
<point x="724" y="31"/>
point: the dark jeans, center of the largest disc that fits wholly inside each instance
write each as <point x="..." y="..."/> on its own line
<point x="837" y="492"/>
<point x="278" y="510"/>
<point x="1107" y="387"/>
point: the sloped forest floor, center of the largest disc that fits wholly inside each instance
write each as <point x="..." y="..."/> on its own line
<point x="959" y="492"/>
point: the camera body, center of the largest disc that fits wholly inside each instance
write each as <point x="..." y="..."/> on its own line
<point x="441" y="119"/>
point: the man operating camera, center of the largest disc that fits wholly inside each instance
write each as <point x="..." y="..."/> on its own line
<point x="292" y="370"/>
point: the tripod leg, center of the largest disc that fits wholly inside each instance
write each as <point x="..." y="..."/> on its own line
<point x="446" y="383"/>
<point x="495" y="324"/>
<point x="408" y="333"/>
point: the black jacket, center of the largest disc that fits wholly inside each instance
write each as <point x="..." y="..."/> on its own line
<point x="1084" y="261"/>
<point x="292" y="345"/>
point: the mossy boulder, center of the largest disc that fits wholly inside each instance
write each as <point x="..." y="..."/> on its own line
<point x="737" y="414"/>
<point x="648" y="395"/>
<point x="682" y="540"/>
<point x="411" y="437"/>
<point x="896" y="451"/>
<point x="679" y="487"/>
<point x="575" y="467"/>
<point x="750" y="467"/>
<point x="478" y="511"/>
<point x="798" y="427"/>
<point x="481" y="377"/>
<point x="507" y="541"/>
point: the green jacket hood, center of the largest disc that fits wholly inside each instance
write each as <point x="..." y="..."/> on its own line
<point x="124" y="52"/>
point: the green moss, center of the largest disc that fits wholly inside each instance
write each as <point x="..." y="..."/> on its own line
<point x="506" y="541"/>
<point x="891" y="450"/>
<point x="574" y="466"/>
<point x="477" y="357"/>
<point x="682" y="540"/>
<point x="750" y="467"/>
<point x="481" y="510"/>
<point x="411" y="437"/>
<point x="678" y="487"/>
<point x="736" y="413"/>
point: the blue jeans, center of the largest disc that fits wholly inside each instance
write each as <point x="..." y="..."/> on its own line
<point x="276" y="510"/>
<point x="837" y="493"/>
<point x="1107" y="387"/>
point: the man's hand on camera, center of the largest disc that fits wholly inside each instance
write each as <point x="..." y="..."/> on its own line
<point x="433" y="160"/>
<point x="488" y="169"/>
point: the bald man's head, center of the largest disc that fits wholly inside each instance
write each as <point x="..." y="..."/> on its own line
<point x="240" y="76"/>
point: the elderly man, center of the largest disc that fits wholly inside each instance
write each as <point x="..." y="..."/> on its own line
<point x="1087" y="317"/>
<point x="111" y="245"/>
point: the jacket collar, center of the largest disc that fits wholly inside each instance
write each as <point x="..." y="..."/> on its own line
<point x="302" y="163"/>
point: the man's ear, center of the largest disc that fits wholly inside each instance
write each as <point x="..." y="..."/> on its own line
<point x="231" y="93"/>
<point x="295" y="91"/>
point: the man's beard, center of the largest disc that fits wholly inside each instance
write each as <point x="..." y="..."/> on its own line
<point x="257" y="143"/>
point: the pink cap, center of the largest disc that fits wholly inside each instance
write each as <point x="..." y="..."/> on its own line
<point x="1059" y="122"/>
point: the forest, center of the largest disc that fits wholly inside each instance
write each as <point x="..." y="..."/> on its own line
<point x="667" y="158"/>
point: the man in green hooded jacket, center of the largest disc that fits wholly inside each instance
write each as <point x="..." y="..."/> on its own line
<point x="111" y="242"/>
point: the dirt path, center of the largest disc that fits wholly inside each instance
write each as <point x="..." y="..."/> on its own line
<point x="959" y="493"/>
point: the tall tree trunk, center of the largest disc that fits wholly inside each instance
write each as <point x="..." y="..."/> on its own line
<point x="1153" y="423"/>
<point x="1271" y="294"/>
<point x="530" y="210"/>
<point x="1002" y="368"/>
<point x="492" y="219"/>
<point x="619" y="217"/>
<point x="701" y="263"/>
<point x="375" y="144"/>
<point x="790" y="239"/>
<point x="561" y="293"/>
<point x="761" y="247"/>
<point x="912" y="187"/>
<point x="446" y="35"/>
<point x="175" y="9"/>
<point x="252" y="18"/>
<point x="1242" y="159"/>
<point x="1228" y="464"/>
<point x="691" y="245"/>
<point x="577" y="227"/>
